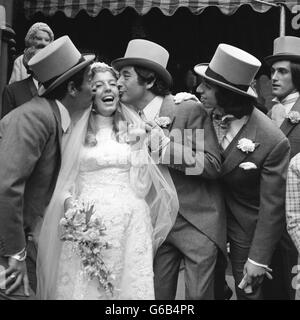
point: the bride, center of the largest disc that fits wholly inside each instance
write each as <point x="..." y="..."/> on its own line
<point x="135" y="200"/>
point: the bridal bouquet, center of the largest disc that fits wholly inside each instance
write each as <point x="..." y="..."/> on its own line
<point x="87" y="235"/>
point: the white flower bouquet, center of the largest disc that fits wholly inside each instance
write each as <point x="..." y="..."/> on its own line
<point x="87" y="235"/>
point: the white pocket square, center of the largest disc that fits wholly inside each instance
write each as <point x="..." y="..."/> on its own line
<point x="248" y="165"/>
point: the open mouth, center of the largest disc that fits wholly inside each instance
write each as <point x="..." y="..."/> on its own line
<point x="108" y="99"/>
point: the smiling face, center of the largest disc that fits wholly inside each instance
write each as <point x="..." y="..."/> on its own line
<point x="281" y="76"/>
<point x="107" y="93"/>
<point x="132" y="92"/>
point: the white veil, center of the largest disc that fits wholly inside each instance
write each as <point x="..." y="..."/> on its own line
<point x="161" y="198"/>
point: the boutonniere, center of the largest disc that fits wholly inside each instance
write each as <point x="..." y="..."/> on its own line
<point x="293" y="116"/>
<point x="163" y="122"/>
<point x="246" y="145"/>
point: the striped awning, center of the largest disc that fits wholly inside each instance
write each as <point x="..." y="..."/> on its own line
<point x="168" y="7"/>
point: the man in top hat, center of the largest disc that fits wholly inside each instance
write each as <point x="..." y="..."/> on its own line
<point x="199" y="229"/>
<point x="285" y="77"/>
<point x="32" y="138"/>
<point x="19" y="92"/>
<point x="256" y="156"/>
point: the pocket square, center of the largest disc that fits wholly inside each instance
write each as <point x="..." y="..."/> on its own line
<point x="248" y="165"/>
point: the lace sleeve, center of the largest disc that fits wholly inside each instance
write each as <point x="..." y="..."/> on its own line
<point x="139" y="173"/>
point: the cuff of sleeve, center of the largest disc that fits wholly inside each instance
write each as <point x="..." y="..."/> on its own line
<point x="258" y="264"/>
<point x="20" y="256"/>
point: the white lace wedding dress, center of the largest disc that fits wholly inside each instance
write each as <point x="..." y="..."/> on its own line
<point x="107" y="178"/>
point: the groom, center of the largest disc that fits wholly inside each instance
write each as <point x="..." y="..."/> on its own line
<point x="199" y="229"/>
<point x="31" y="139"/>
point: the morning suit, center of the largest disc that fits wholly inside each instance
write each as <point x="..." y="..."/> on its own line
<point x="16" y="94"/>
<point x="286" y="255"/>
<point x="200" y="227"/>
<point x="255" y="197"/>
<point x="30" y="157"/>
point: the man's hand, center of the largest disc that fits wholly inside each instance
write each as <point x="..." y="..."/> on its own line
<point x="15" y="275"/>
<point x="184" y="96"/>
<point x="156" y="135"/>
<point x="255" y="274"/>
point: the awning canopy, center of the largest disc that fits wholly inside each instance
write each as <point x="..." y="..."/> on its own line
<point x="71" y="7"/>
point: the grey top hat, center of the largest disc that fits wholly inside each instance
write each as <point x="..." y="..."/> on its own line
<point x="231" y="68"/>
<point x="146" y="54"/>
<point x="285" y="48"/>
<point x="56" y="63"/>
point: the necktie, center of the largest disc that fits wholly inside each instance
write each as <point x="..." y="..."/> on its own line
<point x="222" y="125"/>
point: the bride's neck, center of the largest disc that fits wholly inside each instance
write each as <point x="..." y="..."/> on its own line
<point x="103" y="121"/>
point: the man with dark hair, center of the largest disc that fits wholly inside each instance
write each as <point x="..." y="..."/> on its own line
<point x="199" y="230"/>
<point x="31" y="143"/>
<point x="285" y="76"/>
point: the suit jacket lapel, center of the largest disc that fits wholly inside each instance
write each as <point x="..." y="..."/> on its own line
<point x="167" y="110"/>
<point x="287" y="126"/>
<point x="56" y="112"/>
<point x="236" y="156"/>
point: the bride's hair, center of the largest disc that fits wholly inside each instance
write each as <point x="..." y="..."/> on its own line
<point x="119" y="124"/>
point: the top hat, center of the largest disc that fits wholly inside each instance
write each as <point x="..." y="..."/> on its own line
<point x="285" y="48"/>
<point x="56" y="63"/>
<point x="146" y="54"/>
<point x="231" y="68"/>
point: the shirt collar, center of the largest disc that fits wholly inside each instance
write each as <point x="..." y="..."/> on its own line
<point x="36" y="83"/>
<point x="65" y="116"/>
<point x="152" y="108"/>
<point x="292" y="96"/>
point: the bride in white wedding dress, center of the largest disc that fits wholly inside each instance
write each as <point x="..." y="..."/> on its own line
<point x="112" y="174"/>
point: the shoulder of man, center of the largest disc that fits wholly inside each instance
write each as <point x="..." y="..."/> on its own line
<point x="267" y="127"/>
<point x="36" y="109"/>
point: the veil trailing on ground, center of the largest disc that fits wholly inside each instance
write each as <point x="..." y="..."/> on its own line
<point x="161" y="198"/>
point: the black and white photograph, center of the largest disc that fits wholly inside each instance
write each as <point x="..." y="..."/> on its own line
<point x="150" y="151"/>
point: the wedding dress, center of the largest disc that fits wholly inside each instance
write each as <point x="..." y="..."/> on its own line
<point x="106" y="178"/>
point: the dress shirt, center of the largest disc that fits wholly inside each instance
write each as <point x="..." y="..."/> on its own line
<point x="233" y="129"/>
<point x="36" y="83"/>
<point x="149" y="113"/>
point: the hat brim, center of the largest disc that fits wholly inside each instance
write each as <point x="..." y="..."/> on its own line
<point x="201" y="69"/>
<point x="42" y="91"/>
<point x="118" y="64"/>
<point x="281" y="57"/>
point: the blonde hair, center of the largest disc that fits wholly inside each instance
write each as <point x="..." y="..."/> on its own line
<point x="119" y="122"/>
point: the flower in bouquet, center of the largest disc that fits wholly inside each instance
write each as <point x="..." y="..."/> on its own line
<point x="88" y="237"/>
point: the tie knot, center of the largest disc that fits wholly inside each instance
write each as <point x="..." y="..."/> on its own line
<point x="224" y="121"/>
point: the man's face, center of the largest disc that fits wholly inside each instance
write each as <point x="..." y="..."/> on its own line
<point x="86" y="93"/>
<point x="131" y="92"/>
<point x="41" y="39"/>
<point x="208" y="94"/>
<point x="282" y="84"/>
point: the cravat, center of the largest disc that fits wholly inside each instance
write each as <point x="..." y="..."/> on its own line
<point x="222" y="125"/>
<point x="279" y="111"/>
<point x="278" y="114"/>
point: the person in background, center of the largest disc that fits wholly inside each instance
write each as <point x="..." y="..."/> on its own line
<point x="19" y="92"/>
<point x="39" y="35"/>
<point x="285" y="77"/>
